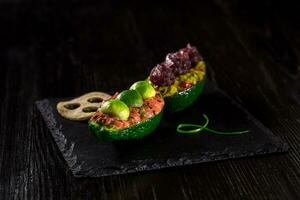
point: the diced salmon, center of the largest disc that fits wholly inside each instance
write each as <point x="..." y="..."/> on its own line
<point x="151" y="107"/>
<point x="155" y="104"/>
<point x="126" y="123"/>
<point x="118" y="124"/>
<point x="135" y="116"/>
<point x="148" y="113"/>
<point x="109" y="120"/>
<point x="156" y="108"/>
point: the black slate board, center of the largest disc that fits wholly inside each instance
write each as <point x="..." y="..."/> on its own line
<point x="89" y="157"/>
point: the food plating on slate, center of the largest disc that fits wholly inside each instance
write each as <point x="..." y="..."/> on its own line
<point x="172" y="85"/>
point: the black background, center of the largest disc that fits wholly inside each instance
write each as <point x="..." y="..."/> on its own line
<point x="61" y="49"/>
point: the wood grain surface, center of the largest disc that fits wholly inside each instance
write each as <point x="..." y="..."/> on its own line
<point x="61" y="49"/>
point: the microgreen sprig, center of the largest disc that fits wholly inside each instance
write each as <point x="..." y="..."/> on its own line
<point x="196" y="128"/>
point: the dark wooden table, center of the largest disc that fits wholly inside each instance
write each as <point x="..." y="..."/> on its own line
<point x="61" y="49"/>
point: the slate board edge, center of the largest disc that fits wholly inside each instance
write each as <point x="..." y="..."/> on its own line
<point x="47" y="114"/>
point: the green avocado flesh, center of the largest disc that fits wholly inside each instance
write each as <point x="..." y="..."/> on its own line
<point x="131" y="97"/>
<point x="117" y="108"/>
<point x="145" y="89"/>
<point x="135" y="132"/>
<point x="183" y="99"/>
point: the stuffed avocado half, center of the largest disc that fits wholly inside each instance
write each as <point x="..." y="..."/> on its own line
<point x="130" y="115"/>
<point x="180" y="78"/>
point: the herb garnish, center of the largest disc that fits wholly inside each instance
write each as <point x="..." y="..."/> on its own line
<point x="196" y="128"/>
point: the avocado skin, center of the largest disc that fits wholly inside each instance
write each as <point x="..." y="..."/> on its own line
<point x="183" y="99"/>
<point x="134" y="132"/>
